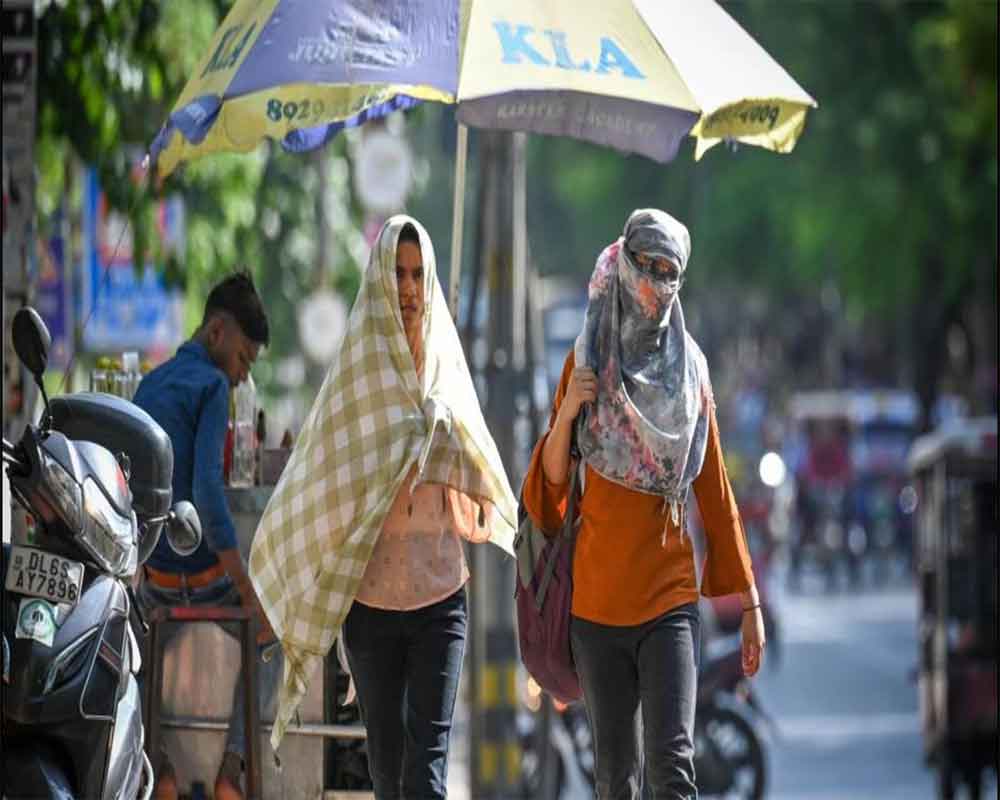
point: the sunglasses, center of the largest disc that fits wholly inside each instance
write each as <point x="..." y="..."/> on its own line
<point x="658" y="267"/>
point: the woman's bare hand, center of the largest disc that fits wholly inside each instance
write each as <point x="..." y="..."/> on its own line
<point x="582" y="389"/>
<point x="752" y="636"/>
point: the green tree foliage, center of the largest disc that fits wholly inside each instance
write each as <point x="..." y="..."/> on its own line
<point x="109" y="76"/>
<point x="890" y="197"/>
<point x="889" y="202"/>
<point x="904" y="141"/>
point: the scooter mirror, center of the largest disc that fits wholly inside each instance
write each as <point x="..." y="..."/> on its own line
<point x="184" y="529"/>
<point x="31" y="341"/>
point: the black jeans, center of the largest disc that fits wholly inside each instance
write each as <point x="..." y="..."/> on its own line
<point x="640" y="682"/>
<point x="406" y="666"/>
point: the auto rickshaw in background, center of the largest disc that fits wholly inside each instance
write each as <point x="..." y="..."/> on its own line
<point x="956" y="560"/>
<point x="819" y="457"/>
<point x="854" y="502"/>
<point x="882" y="499"/>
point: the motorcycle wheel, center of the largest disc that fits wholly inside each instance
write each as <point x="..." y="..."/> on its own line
<point x="539" y="782"/>
<point x="727" y="742"/>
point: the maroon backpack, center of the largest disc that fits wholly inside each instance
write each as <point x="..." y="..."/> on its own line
<point x="544" y="595"/>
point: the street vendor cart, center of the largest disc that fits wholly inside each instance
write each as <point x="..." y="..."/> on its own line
<point x="323" y="753"/>
<point x="956" y="473"/>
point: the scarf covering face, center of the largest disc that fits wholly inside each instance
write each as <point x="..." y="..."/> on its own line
<point x="648" y="428"/>
<point x="372" y="421"/>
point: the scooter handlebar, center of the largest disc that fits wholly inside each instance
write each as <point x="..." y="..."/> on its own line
<point x="13" y="456"/>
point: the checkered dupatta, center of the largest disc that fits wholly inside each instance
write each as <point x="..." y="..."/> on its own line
<point x="372" y="421"/>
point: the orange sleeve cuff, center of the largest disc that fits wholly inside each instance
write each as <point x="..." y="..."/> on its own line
<point x="727" y="568"/>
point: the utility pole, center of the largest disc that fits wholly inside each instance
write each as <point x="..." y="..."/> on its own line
<point x="495" y="749"/>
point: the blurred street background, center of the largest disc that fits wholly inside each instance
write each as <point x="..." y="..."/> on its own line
<point x="845" y="295"/>
<point x="846" y="723"/>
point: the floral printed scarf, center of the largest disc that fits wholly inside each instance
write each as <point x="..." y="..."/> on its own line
<point x="648" y="428"/>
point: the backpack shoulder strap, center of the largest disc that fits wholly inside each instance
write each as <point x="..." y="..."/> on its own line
<point x="565" y="538"/>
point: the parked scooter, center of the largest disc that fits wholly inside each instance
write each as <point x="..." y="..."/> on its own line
<point x="730" y="759"/>
<point x="95" y="477"/>
<point x="557" y="747"/>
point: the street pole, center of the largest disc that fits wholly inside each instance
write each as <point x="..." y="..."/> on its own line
<point x="321" y="265"/>
<point x="496" y="754"/>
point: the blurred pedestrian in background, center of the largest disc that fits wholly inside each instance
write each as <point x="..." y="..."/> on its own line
<point x="393" y="468"/>
<point x="635" y="406"/>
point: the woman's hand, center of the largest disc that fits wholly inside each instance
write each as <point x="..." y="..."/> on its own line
<point x="752" y="636"/>
<point x="582" y="389"/>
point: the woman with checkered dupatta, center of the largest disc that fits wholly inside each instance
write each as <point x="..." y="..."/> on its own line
<point x="393" y="468"/>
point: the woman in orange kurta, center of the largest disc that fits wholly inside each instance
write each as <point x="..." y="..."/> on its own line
<point x="636" y="398"/>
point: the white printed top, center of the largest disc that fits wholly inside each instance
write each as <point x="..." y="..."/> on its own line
<point x="418" y="559"/>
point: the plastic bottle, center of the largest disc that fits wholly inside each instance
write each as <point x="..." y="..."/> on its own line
<point x="244" y="434"/>
<point x="131" y="375"/>
<point x="227" y="451"/>
<point x="99" y="375"/>
<point x="116" y="378"/>
<point x="260" y="436"/>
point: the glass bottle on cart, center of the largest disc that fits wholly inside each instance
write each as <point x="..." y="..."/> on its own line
<point x="244" y="457"/>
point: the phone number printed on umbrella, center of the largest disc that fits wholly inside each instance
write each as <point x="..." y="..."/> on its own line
<point x="292" y="111"/>
<point x="758" y="114"/>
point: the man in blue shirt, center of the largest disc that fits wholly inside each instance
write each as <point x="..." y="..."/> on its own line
<point x="189" y="396"/>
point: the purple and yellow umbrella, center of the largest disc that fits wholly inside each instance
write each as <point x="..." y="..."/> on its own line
<point x="635" y="75"/>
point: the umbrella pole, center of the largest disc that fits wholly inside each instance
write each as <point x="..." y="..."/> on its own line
<point x="520" y="250"/>
<point x="457" y="218"/>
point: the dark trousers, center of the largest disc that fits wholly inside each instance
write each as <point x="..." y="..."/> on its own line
<point x="406" y="666"/>
<point x="639" y="683"/>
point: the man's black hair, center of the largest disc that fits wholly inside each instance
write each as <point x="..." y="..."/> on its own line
<point x="236" y="295"/>
<point x="408" y="233"/>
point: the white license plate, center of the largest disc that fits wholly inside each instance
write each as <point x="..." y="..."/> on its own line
<point x="40" y="574"/>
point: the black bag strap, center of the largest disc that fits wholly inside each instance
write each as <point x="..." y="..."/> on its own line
<point x="565" y="537"/>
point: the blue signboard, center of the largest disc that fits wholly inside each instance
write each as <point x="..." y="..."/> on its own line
<point x="53" y="298"/>
<point x="124" y="308"/>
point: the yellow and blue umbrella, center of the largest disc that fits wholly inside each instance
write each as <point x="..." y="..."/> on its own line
<point x="636" y="75"/>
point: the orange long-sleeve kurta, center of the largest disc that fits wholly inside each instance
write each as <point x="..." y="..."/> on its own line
<point x="622" y="572"/>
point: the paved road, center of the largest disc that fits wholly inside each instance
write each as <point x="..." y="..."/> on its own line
<point x="842" y="697"/>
